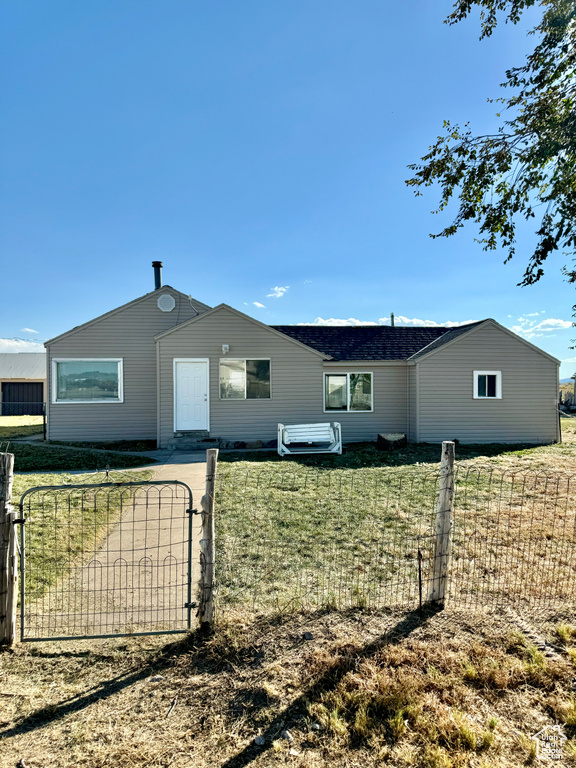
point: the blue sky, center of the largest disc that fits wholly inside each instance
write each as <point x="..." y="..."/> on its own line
<point x="251" y="147"/>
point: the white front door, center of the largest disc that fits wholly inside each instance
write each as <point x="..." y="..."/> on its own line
<point x="191" y="406"/>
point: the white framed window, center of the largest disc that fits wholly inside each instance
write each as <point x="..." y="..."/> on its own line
<point x="88" y="380"/>
<point x="348" y="392"/>
<point x="244" y="379"/>
<point x="487" y="385"/>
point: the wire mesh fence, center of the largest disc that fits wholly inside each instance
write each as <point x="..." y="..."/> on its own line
<point x="514" y="540"/>
<point x="105" y="559"/>
<point x="19" y="408"/>
<point x="324" y="539"/>
<point x="312" y="538"/>
<point x="116" y="558"/>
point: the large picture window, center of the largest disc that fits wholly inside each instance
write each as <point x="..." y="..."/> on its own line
<point x="487" y="385"/>
<point x="244" y="379"/>
<point x="87" y="381"/>
<point x="348" y="392"/>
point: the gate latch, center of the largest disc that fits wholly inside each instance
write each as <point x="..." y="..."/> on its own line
<point x="192" y="512"/>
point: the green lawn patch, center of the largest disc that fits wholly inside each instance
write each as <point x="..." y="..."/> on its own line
<point x="112" y="445"/>
<point x="345" y="531"/>
<point x="32" y="458"/>
<point x="359" y="455"/>
<point x="64" y="528"/>
<point x="295" y="535"/>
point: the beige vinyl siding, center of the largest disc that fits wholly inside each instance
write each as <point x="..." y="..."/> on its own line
<point x="296" y="383"/>
<point x="412" y="403"/>
<point x="127" y="334"/>
<point x="389" y="402"/>
<point x="527" y="411"/>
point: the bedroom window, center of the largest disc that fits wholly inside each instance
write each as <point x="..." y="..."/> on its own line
<point x="244" y="379"/>
<point x="95" y="380"/>
<point x="348" y="392"/>
<point x="488" y="385"/>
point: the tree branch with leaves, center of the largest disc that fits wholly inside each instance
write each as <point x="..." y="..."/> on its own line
<point x="527" y="169"/>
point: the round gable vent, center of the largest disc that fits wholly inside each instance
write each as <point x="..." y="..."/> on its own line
<point x="166" y="302"/>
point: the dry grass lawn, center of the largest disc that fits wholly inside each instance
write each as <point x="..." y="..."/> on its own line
<point x="354" y="689"/>
<point x="346" y="531"/>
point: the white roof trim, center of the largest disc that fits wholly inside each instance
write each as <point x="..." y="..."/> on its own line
<point x="252" y="320"/>
<point x="475" y="328"/>
<point x="119" y="309"/>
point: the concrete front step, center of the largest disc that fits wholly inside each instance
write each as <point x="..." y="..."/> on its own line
<point x="193" y="443"/>
<point x="198" y="434"/>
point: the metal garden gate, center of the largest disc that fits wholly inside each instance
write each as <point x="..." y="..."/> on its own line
<point x="107" y="559"/>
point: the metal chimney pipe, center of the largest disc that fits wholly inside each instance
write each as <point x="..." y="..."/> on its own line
<point x="391" y="319"/>
<point x="157" y="267"/>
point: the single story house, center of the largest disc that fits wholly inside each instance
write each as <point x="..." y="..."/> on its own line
<point x="22" y="383"/>
<point x="166" y="366"/>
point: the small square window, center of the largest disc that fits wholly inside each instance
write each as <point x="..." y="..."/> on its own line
<point x="487" y="385"/>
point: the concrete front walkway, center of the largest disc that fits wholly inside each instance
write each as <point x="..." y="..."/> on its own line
<point x="151" y="541"/>
<point x="137" y="577"/>
<point x="187" y="466"/>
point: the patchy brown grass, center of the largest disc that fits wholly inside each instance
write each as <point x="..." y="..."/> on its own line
<point x="369" y="689"/>
<point x="557" y="457"/>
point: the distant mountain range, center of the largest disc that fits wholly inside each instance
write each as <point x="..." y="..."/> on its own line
<point x="565" y="381"/>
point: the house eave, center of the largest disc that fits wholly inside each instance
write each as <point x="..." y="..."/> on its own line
<point x="364" y="362"/>
<point x="219" y="308"/>
<point x="115" y="311"/>
<point x="466" y="335"/>
<point x="421" y="353"/>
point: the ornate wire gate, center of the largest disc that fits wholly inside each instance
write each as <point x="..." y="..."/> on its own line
<point x="108" y="559"/>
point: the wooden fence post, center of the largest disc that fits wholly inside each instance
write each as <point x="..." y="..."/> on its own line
<point x="439" y="584"/>
<point x="8" y="556"/>
<point x="207" y="546"/>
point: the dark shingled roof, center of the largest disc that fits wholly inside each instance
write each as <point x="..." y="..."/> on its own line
<point x="381" y="342"/>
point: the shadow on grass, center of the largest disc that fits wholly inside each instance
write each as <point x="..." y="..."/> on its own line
<point x="45" y="716"/>
<point x="197" y="647"/>
<point x="329" y="680"/>
<point x="361" y="455"/>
